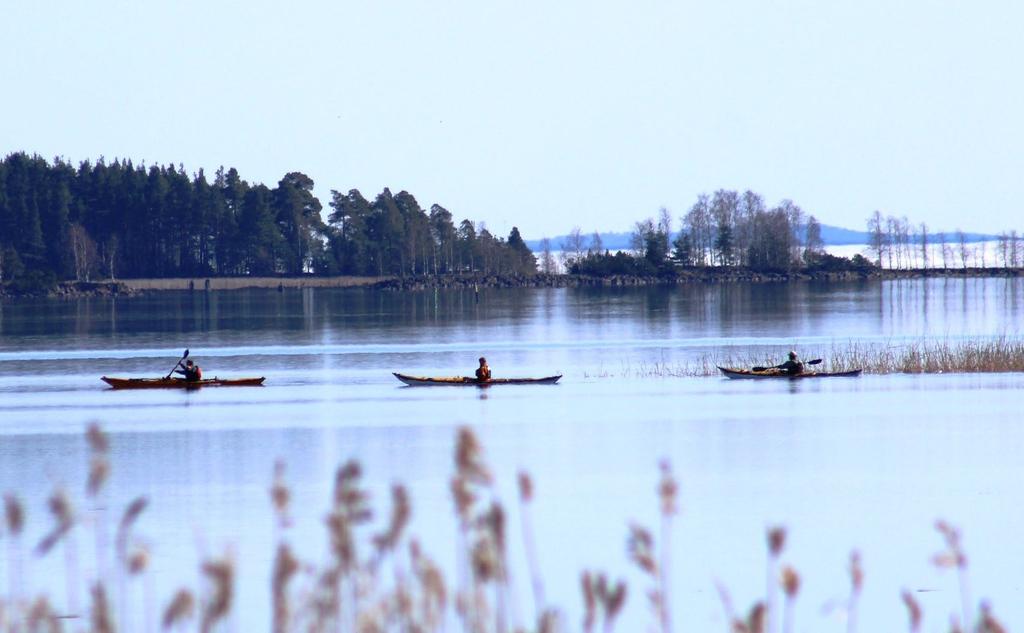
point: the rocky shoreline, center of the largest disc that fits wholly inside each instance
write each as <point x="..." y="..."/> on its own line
<point x="76" y="289"/>
<point x="70" y="290"/>
<point x="694" y="276"/>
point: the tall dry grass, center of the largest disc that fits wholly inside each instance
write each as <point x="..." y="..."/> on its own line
<point x="1002" y="354"/>
<point x="991" y="355"/>
<point x="377" y="578"/>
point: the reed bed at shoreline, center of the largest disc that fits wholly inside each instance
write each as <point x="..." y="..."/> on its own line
<point x="974" y="356"/>
<point x="378" y="578"/>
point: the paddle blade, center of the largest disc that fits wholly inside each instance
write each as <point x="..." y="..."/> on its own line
<point x="816" y="361"/>
<point x="176" y="365"/>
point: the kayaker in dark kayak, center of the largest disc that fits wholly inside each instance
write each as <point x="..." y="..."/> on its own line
<point x="793" y="366"/>
<point x="190" y="371"/>
<point x="483" y="372"/>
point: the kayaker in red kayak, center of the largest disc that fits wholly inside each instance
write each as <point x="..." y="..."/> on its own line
<point x="190" y="371"/>
<point x="483" y="372"/>
<point x="793" y="366"/>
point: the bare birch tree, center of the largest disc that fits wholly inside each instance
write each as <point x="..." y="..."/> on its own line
<point x="924" y="245"/>
<point x="83" y="251"/>
<point x="572" y="247"/>
<point x="698" y="225"/>
<point x="815" y="245"/>
<point x="876" y="236"/>
<point x="547" y="260"/>
<point x="961" y="240"/>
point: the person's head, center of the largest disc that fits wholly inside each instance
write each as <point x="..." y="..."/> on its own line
<point x="189" y="363"/>
<point x="792" y="356"/>
<point x="483" y="361"/>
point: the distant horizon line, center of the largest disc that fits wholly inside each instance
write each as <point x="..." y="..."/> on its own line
<point x="832" y="235"/>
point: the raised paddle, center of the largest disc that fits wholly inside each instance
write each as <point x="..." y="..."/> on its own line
<point x="176" y="365"/>
<point x="816" y="361"/>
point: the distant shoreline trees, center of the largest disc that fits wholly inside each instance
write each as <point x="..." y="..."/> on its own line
<point x="726" y="229"/>
<point x="102" y="221"/>
<point x="897" y="244"/>
<point x="730" y="229"/>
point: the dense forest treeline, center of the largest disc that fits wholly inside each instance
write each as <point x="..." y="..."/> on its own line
<point x="100" y="220"/>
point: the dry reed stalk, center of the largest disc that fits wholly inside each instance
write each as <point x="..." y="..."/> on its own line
<point x="469" y="458"/>
<point x="856" y="583"/>
<point x="752" y="623"/>
<point x="589" y="602"/>
<point x="790" y="587"/>
<point x="180" y="609"/>
<point x="42" y="618"/>
<point x="64" y="520"/>
<point x="121" y="546"/>
<point x="954" y="556"/>
<point x="217" y="605"/>
<point x="987" y="622"/>
<point x="481" y="536"/>
<point x="668" y="490"/>
<point x="641" y="551"/>
<point x="101" y="620"/>
<point x="285" y="566"/>
<point x="776" y="542"/>
<point x="549" y="622"/>
<point x="131" y="514"/>
<point x="60" y="508"/>
<point x="280" y="495"/>
<point x="530" y="546"/>
<point x="755" y="619"/>
<point x="913" y="611"/>
<point x="433" y="593"/>
<point x="325" y="601"/>
<point x="494" y="541"/>
<point x="387" y="540"/>
<point x="14" y="516"/>
<point x="99" y="472"/>
<point x="350" y="510"/>
<point x="99" y="465"/>
<point x="600" y="598"/>
<point x="727" y="608"/>
<point x="954" y="624"/>
<point x="138" y="560"/>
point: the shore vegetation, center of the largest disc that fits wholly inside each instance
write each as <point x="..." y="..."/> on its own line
<point x="1004" y="354"/>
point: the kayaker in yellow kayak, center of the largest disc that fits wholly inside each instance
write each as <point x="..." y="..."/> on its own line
<point x="190" y="371"/>
<point x="483" y="372"/>
<point x="793" y="366"/>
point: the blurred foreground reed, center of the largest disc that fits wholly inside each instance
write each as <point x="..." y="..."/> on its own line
<point x="377" y="578"/>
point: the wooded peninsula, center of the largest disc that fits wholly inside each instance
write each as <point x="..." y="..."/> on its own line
<point x="100" y="221"/>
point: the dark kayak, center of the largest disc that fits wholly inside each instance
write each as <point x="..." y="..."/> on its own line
<point x="417" y="381"/>
<point x="778" y="373"/>
<point x="180" y="383"/>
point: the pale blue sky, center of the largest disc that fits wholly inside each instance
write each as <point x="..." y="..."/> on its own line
<point x="544" y="114"/>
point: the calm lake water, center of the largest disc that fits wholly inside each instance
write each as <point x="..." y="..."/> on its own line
<point x="866" y="464"/>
